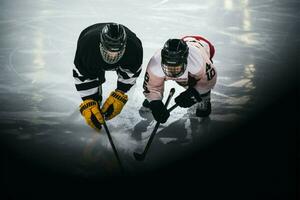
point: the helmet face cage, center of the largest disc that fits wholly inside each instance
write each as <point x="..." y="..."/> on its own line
<point x="173" y="71"/>
<point x="174" y="57"/>
<point x="113" y="40"/>
<point x="111" y="57"/>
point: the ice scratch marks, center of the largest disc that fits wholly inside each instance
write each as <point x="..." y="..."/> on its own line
<point x="220" y="94"/>
<point x="249" y="39"/>
<point x="240" y="83"/>
<point x="159" y="3"/>
<point x="10" y="63"/>
<point x="167" y="140"/>
<point x="233" y="101"/>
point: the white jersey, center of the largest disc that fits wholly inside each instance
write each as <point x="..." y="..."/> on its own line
<point x="199" y="70"/>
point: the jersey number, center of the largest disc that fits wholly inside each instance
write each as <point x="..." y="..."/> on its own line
<point x="210" y="72"/>
<point x="146" y="79"/>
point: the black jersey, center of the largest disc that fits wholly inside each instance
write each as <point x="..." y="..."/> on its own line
<point x="89" y="71"/>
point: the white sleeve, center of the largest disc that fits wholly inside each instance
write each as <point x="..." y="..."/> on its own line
<point x="154" y="80"/>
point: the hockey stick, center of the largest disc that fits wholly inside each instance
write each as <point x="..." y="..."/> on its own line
<point x="141" y="156"/>
<point x="172" y="108"/>
<point x="112" y="145"/>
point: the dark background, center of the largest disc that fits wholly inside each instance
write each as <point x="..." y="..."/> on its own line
<point x="257" y="160"/>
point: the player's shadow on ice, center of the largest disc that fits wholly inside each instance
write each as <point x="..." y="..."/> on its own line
<point x="179" y="134"/>
<point x="188" y="133"/>
<point x="142" y="126"/>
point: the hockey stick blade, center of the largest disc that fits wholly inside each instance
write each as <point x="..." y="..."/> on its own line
<point x="138" y="156"/>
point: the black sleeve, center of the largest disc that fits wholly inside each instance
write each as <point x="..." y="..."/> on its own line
<point x="85" y="72"/>
<point x="131" y="70"/>
<point x="125" y="82"/>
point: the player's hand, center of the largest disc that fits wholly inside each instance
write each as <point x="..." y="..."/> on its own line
<point x="90" y="110"/>
<point x="114" y="104"/>
<point x="188" y="98"/>
<point x="159" y="111"/>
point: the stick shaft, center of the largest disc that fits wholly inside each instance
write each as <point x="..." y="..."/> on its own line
<point x="112" y="145"/>
<point x="172" y="108"/>
<point x="157" y="125"/>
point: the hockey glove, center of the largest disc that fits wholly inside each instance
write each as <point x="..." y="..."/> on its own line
<point x="159" y="111"/>
<point x="114" y="104"/>
<point x="89" y="109"/>
<point x="188" y="98"/>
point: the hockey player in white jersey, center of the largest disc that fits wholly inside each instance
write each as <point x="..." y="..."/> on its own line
<point x="105" y="47"/>
<point x="188" y="61"/>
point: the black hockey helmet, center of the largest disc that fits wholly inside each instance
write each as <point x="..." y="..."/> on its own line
<point x="174" y="57"/>
<point x="112" y="42"/>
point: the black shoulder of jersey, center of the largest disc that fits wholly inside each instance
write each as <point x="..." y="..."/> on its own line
<point x="88" y="59"/>
<point x="133" y="56"/>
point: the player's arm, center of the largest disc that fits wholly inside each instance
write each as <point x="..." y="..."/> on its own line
<point x="206" y="78"/>
<point x="127" y="75"/>
<point x="153" y="90"/>
<point x="88" y="90"/>
<point x="127" y="78"/>
<point x="86" y="80"/>
<point x="153" y="86"/>
<point x="191" y="95"/>
<point x="200" y="83"/>
<point x="118" y="98"/>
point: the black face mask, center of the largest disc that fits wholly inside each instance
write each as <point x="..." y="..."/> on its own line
<point x="111" y="57"/>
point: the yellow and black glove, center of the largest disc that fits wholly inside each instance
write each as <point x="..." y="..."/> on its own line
<point x="114" y="104"/>
<point x="90" y="110"/>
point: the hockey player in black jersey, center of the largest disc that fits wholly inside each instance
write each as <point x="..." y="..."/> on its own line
<point x="105" y="47"/>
